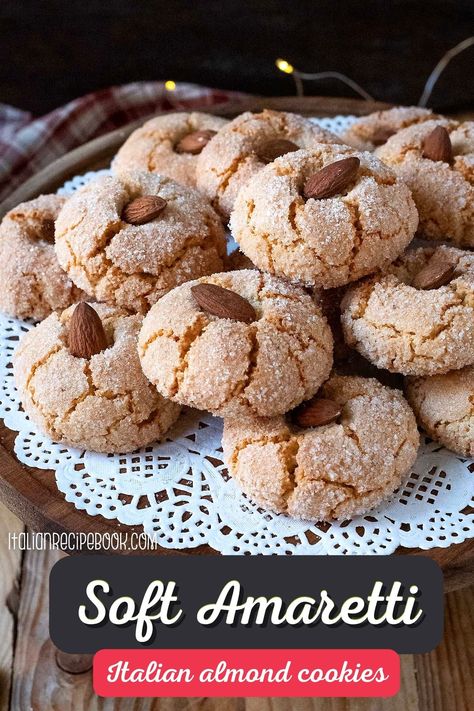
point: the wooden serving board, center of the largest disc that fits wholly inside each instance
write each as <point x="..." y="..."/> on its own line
<point x="31" y="493"/>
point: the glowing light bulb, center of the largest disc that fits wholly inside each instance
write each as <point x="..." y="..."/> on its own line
<point x="284" y="66"/>
<point x="170" y="85"/>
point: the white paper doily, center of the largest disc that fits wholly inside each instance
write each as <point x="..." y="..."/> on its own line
<point x="181" y="494"/>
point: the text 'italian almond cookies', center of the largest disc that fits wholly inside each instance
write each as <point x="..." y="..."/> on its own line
<point x="324" y="217"/>
<point x="32" y="282"/>
<point x="129" y="240"/>
<point x="436" y="161"/>
<point x="369" y="132"/>
<point x="444" y="408"/>
<point x="242" y="147"/>
<point x="236" y="344"/>
<point x="81" y="382"/>
<point x="168" y="145"/>
<point x="417" y="318"/>
<point x="319" y="466"/>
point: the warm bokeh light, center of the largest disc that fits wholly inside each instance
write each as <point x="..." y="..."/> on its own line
<point x="284" y="66"/>
<point x="170" y="85"/>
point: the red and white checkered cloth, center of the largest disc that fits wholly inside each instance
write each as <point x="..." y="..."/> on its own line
<point x="28" y="144"/>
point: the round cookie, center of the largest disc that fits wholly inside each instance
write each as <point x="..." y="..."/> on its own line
<point x="244" y="146"/>
<point x="133" y="265"/>
<point x="33" y="283"/>
<point x="169" y="145"/>
<point x="415" y="328"/>
<point x="443" y="190"/>
<point x="266" y="365"/>
<point x="369" y="132"/>
<point x="102" y="403"/>
<point x="332" y="471"/>
<point x="329" y="241"/>
<point x="444" y="408"/>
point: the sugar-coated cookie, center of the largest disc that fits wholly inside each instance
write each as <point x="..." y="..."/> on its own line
<point x="324" y="217"/>
<point x="417" y="318"/>
<point x="101" y="402"/>
<point x="32" y="282"/>
<point x="260" y="349"/>
<point x="129" y="240"/>
<point x="342" y="454"/>
<point x="444" y="408"/>
<point x="245" y="145"/>
<point x="369" y="132"/>
<point x="168" y="145"/>
<point x="436" y="160"/>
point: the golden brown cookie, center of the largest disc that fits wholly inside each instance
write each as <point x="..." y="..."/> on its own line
<point x="168" y="145"/>
<point x="444" y="408"/>
<point x="298" y="218"/>
<point x="221" y="361"/>
<point x="245" y="145"/>
<point x="327" y="471"/>
<point x="440" y="177"/>
<point x="369" y="132"/>
<point x="128" y="262"/>
<point x="414" y="324"/>
<point x="32" y="282"/>
<point x="102" y="402"/>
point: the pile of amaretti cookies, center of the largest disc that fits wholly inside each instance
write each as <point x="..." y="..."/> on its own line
<point x="142" y="311"/>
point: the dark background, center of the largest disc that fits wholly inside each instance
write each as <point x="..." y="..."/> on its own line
<point x="52" y="51"/>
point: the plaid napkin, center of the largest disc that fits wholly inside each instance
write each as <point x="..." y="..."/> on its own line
<point x="28" y="144"/>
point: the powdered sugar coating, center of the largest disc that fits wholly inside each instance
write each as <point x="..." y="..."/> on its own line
<point x="32" y="282"/>
<point x="443" y="192"/>
<point x="232" y="368"/>
<point x="368" y="132"/>
<point x="412" y="331"/>
<point x="444" y="407"/>
<point x="231" y="158"/>
<point x="132" y="266"/>
<point x="331" y="472"/>
<point x="152" y="146"/>
<point x="328" y="242"/>
<point x="103" y="404"/>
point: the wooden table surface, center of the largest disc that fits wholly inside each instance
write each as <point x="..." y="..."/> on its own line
<point x="32" y="680"/>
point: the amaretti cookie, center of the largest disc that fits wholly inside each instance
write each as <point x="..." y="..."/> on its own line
<point x="324" y="217"/>
<point x="235" y="344"/>
<point x="436" y="160"/>
<point x="245" y="145"/>
<point x="168" y="145"/>
<point x="80" y="381"/>
<point x="127" y="241"/>
<point x="417" y="318"/>
<point x="369" y="132"/>
<point x="337" y="456"/>
<point x="444" y="408"/>
<point x="32" y="282"/>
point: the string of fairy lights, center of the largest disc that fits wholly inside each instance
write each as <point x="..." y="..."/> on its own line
<point x="300" y="77"/>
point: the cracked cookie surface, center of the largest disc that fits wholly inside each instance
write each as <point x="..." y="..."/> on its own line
<point x="33" y="283"/>
<point x="232" y="368"/>
<point x="131" y="266"/>
<point x="104" y="403"/>
<point x="330" y="472"/>
<point x="327" y="242"/>
<point x="152" y="146"/>
<point x="443" y="192"/>
<point x="369" y="132"/>
<point x="413" y="331"/>
<point x="231" y="158"/>
<point x="444" y="408"/>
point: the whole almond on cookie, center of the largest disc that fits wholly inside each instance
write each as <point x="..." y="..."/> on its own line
<point x="143" y="209"/>
<point x="86" y="332"/>
<point x="274" y="148"/>
<point x="435" y="274"/>
<point x="317" y="412"/>
<point x="194" y="142"/>
<point x="437" y="145"/>
<point x="332" y="179"/>
<point x="223" y="303"/>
